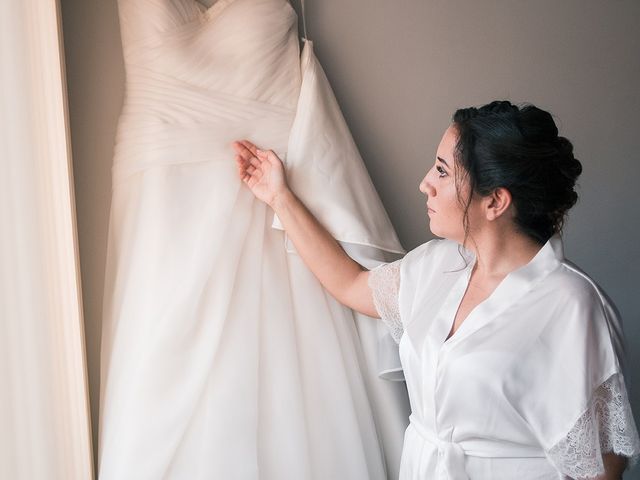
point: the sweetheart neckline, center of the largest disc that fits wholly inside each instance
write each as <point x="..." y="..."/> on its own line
<point x="217" y="7"/>
<point x="201" y="6"/>
<point x="221" y="5"/>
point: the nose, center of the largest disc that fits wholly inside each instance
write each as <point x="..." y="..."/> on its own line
<point x="426" y="186"/>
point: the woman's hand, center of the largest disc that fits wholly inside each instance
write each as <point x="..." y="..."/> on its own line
<point x="262" y="171"/>
<point x="346" y="280"/>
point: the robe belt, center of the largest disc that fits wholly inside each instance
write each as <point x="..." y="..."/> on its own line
<point x="451" y="455"/>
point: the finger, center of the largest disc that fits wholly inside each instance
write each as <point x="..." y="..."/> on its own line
<point x="243" y="151"/>
<point x="239" y="145"/>
<point x="250" y="146"/>
<point x="244" y="163"/>
<point x="274" y="159"/>
<point x="268" y="155"/>
<point x="255" y="162"/>
<point x="239" y="148"/>
<point x="251" y="182"/>
<point x="240" y="162"/>
<point x="241" y="166"/>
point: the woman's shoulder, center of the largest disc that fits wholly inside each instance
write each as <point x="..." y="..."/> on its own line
<point x="576" y="287"/>
<point x="582" y="309"/>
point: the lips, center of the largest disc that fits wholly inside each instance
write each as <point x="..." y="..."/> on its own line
<point x="430" y="210"/>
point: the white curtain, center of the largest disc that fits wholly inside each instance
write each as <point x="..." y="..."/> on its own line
<point x="44" y="420"/>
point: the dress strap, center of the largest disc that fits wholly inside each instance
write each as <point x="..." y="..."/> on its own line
<point x="304" y="23"/>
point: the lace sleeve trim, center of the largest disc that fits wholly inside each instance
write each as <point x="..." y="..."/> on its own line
<point x="384" y="282"/>
<point x="607" y="426"/>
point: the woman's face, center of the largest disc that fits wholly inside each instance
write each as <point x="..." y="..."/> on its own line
<point x="445" y="212"/>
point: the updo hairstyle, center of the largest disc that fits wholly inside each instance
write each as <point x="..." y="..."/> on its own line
<point x="517" y="148"/>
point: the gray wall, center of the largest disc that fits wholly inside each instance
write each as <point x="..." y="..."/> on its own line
<point x="95" y="79"/>
<point x="399" y="70"/>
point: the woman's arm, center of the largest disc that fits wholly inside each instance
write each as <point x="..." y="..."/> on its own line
<point x="344" y="278"/>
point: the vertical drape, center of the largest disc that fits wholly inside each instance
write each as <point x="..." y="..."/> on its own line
<point x="44" y="422"/>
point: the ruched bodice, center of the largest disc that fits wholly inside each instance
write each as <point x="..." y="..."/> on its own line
<point x="222" y="356"/>
<point x="231" y="48"/>
<point x="196" y="78"/>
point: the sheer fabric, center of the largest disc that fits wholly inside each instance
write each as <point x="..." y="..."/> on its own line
<point x="384" y="282"/>
<point x="530" y="386"/>
<point x="222" y="356"/>
<point x="607" y="426"/>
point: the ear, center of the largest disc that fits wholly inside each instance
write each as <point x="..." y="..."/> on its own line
<point x="497" y="203"/>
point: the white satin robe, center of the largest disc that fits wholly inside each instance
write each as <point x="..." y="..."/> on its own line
<point x="529" y="387"/>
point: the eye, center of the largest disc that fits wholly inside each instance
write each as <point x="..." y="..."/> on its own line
<point x="441" y="171"/>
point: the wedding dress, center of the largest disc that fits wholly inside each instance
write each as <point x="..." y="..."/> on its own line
<point x="222" y="356"/>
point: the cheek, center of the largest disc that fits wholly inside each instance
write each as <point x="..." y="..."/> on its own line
<point x="454" y="207"/>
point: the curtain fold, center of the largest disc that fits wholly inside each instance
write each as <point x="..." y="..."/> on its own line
<point x="44" y="420"/>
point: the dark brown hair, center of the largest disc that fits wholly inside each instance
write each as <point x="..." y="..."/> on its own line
<point x="517" y="148"/>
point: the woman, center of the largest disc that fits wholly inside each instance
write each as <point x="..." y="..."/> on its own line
<point x="512" y="356"/>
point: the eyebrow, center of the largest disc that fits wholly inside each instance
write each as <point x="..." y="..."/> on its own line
<point x="443" y="161"/>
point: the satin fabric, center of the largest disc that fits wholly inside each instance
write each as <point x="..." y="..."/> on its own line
<point x="494" y="399"/>
<point x="222" y="356"/>
<point x="328" y="175"/>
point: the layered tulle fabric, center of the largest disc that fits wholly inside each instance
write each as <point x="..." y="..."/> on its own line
<point x="222" y="356"/>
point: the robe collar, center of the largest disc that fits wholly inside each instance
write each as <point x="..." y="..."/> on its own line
<point x="512" y="288"/>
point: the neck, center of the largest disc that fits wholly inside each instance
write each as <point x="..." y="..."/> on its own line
<point x="499" y="253"/>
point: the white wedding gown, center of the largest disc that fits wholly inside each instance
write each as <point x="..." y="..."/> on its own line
<point x="222" y="356"/>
